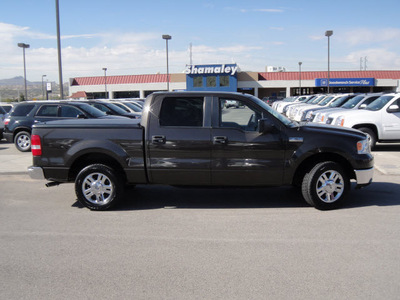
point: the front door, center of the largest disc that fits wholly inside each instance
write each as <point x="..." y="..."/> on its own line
<point x="391" y="123"/>
<point x="241" y="156"/>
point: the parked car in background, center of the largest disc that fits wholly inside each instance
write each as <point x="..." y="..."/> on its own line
<point x="379" y="120"/>
<point x="309" y="114"/>
<point x="6" y="106"/>
<point x="357" y="102"/>
<point x="18" y="125"/>
<point x="271" y="100"/>
<point x="110" y="108"/>
<point x="231" y="103"/>
<point x="129" y="106"/>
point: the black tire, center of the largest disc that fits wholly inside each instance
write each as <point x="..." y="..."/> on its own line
<point x="325" y="186"/>
<point x="371" y="136"/>
<point x="22" y="141"/>
<point x="98" y="187"/>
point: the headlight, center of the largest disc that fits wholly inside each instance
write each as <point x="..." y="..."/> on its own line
<point x="339" y="121"/>
<point x="318" y="117"/>
<point x="309" y="115"/>
<point x="363" y="147"/>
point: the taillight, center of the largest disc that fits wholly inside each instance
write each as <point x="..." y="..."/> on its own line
<point x="6" y="121"/>
<point x="36" y="145"/>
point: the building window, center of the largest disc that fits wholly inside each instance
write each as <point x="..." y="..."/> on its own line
<point x="198" y="81"/>
<point x="223" y="80"/>
<point x="211" y="81"/>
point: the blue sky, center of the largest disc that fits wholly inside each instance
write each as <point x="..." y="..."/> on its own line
<point x="125" y="36"/>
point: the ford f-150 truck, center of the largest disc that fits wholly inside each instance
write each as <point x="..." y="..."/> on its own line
<point x="191" y="139"/>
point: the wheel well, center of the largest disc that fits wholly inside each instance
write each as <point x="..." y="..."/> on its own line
<point x="18" y="130"/>
<point x="370" y="126"/>
<point x="95" y="158"/>
<point x="310" y="162"/>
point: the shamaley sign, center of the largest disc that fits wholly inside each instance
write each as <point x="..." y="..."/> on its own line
<point x="212" y="69"/>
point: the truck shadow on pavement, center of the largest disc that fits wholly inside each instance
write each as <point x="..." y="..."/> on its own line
<point x="145" y="197"/>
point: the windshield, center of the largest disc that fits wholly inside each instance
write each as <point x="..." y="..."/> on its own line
<point x="339" y="101"/>
<point x="116" y="108"/>
<point x="317" y="100"/>
<point x="325" y="101"/>
<point x="379" y="103"/>
<point x="132" y="106"/>
<point x="272" y="111"/>
<point x="94" y="112"/>
<point x="353" y="102"/>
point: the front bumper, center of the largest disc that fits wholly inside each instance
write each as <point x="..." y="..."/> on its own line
<point x="364" y="177"/>
<point x="35" y="173"/>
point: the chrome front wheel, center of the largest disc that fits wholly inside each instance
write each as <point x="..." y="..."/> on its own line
<point x="325" y="186"/>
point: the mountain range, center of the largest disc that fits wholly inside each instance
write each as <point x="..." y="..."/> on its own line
<point x="13" y="88"/>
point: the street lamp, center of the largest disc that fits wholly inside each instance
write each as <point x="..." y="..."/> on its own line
<point x="59" y="51"/>
<point x="43" y="86"/>
<point x="105" y="81"/>
<point x="300" y="77"/>
<point x="328" y="33"/>
<point x="167" y="37"/>
<point x="24" y="46"/>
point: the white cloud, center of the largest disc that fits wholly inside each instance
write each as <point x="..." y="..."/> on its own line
<point x="267" y="10"/>
<point x="363" y="36"/>
<point x="377" y="59"/>
<point x="277" y="28"/>
<point x="122" y="54"/>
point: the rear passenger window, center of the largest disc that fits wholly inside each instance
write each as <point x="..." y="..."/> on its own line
<point x="47" y="111"/>
<point x="69" y="112"/>
<point x="22" y="110"/>
<point x="185" y="111"/>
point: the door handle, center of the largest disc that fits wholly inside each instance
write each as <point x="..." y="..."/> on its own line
<point x="221" y="140"/>
<point x="158" y="139"/>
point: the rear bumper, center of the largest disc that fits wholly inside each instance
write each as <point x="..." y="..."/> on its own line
<point x="36" y="173"/>
<point x="8" y="136"/>
<point x="364" y="177"/>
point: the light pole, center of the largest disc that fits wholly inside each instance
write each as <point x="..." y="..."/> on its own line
<point x="328" y="33"/>
<point x="59" y="51"/>
<point x="105" y="81"/>
<point x="24" y="46"/>
<point x="300" y="77"/>
<point x="167" y="37"/>
<point x="43" y="86"/>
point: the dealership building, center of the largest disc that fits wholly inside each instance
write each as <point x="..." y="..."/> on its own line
<point x="228" y="77"/>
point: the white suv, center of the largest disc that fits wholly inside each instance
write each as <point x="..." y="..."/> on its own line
<point x="380" y="120"/>
<point x="358" y="102"/>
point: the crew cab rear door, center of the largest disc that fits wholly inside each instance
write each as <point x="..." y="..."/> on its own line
<point x="241" y="155"/>
<point x="178" y="140"/>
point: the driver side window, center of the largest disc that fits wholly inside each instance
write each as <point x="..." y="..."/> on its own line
<point x="237" y="114"/>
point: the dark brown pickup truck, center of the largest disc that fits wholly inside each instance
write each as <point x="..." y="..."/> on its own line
<point x="193" y="139"/>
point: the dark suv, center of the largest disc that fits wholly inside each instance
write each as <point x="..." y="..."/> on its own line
<point x="18" y="125"/>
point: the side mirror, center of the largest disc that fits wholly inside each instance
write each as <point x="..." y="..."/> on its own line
<point x="393" y="108"/>
<point x="81" y="116"/>
<point x="265" y="126"/>
<point x="362" y="106"/>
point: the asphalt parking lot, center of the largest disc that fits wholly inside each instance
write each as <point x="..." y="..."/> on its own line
<point x="170" y="243"/>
